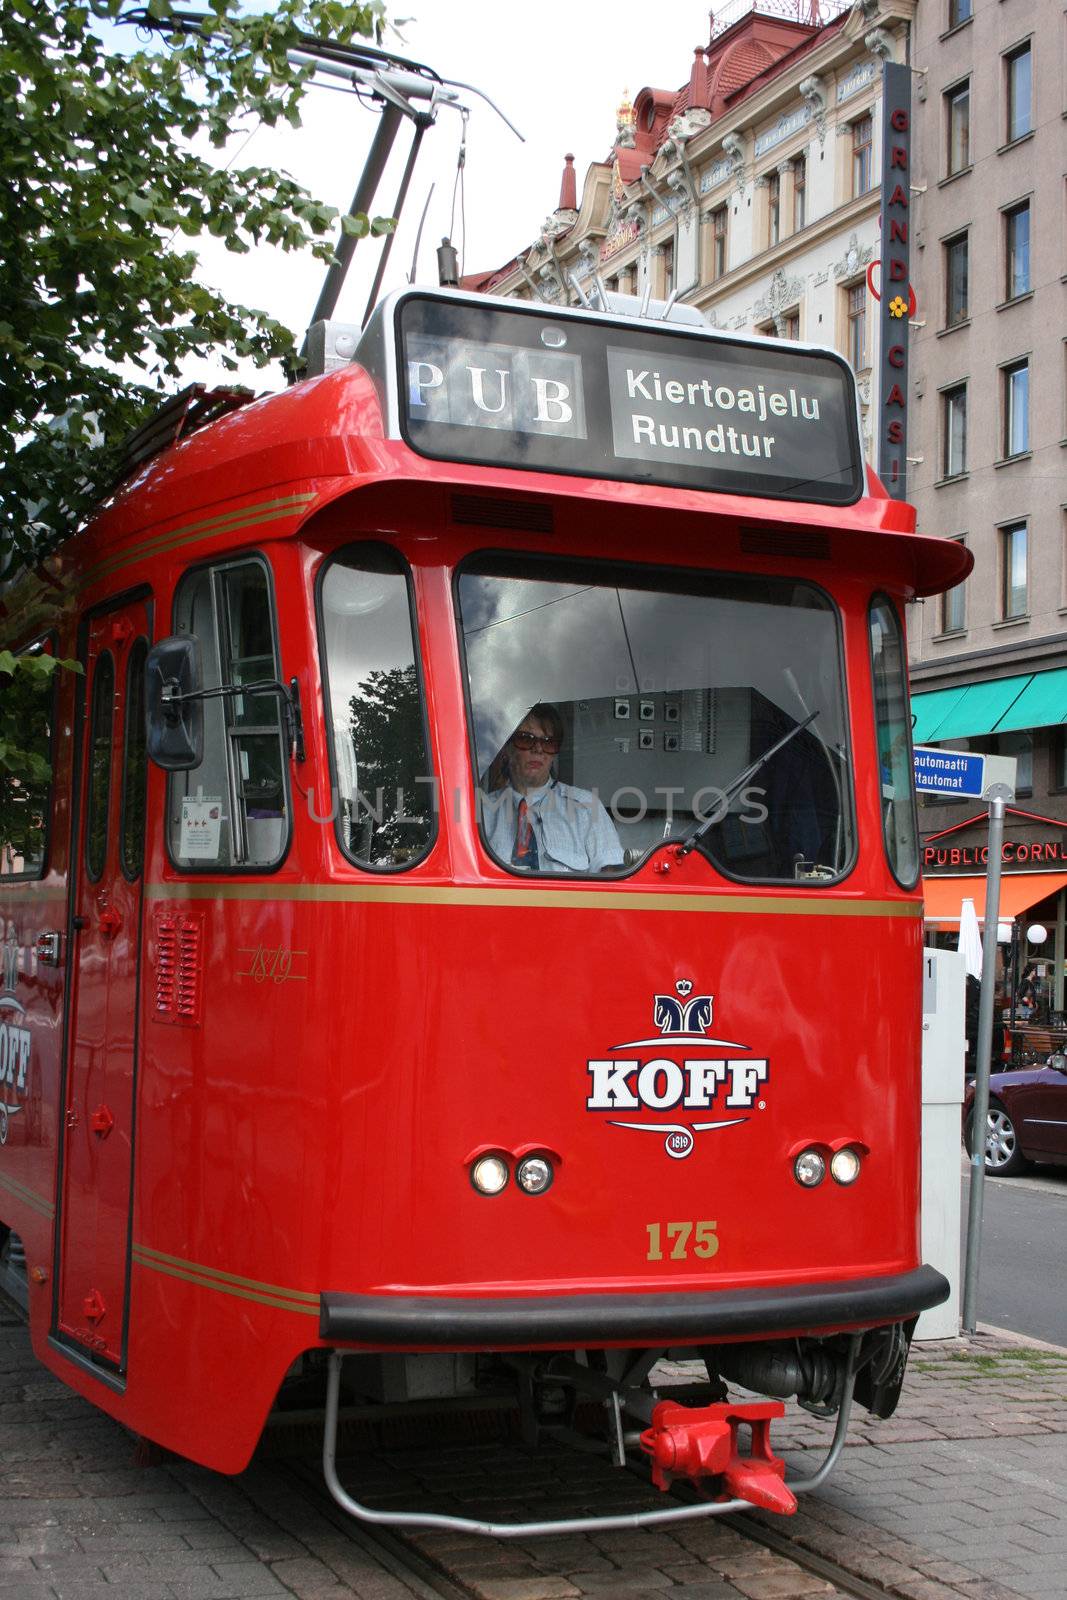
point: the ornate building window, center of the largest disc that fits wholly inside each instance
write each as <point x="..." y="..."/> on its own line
<point x="800" y="193"/>
<point x="667" y="255"/>
<point x="862" y="136"/>
<point x="856" y="312"/>
<point x="718" y="236"/>
<point x="774" y="208"/>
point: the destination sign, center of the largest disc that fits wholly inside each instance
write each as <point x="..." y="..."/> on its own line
<point x="599" y="398"/>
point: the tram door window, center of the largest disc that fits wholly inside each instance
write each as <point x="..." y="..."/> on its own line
<point x="666" y="690"/>
<point x="232" y="811"/>
<point x="382" y="776"/>
<point x="893" y="719"/>
<point x="106" y="942"/>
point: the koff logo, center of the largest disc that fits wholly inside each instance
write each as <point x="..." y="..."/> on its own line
<point x="683" y="1016"/>
<point x="704" y="1076"/>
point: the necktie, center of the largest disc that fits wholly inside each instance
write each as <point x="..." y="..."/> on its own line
<point x="525" y="851"/>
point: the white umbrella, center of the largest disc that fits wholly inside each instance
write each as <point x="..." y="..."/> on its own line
<point x="970" y="939"/>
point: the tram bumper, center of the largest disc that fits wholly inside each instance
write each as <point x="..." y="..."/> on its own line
<point x="430" y="1321"/>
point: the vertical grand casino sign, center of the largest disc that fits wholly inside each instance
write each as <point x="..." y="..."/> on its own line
<point x="896" y="302"/>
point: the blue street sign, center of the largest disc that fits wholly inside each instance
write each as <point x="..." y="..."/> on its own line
<point x="949" y="772"/>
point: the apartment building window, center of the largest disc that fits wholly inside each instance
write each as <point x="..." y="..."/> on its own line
<point x="1017" y="250"/>
<point x="1020" y="113"/>
<point x="1013" y="570"/>
<point x="959" y="11"/>
<point x="1020" y="746"/>
<point x="774" y="208"/>
<point x="862" y="135"/>
<point x="954" y="431"/>
<point x="800" y="193"/>
<point x="791" y="325"/>
<point x="958" y="128"/>
<point x="667" y="252"/>
<point x="1058" y="774"/>
<point x="1016" y="406"/>
<point x="856" y="312"/>
<point x="957" y="276"/>
<point x="718" y="236"/>
<point x="953" y="611"/>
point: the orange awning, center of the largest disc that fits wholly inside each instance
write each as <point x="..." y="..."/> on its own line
<point x="1019" y="891"/>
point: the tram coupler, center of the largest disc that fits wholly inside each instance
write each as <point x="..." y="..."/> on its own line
<point x="697" y="1442"/>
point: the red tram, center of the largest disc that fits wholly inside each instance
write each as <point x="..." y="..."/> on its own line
<point x="475" y="936"/>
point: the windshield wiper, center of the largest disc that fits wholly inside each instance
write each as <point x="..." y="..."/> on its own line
<point x="693" y="838"/>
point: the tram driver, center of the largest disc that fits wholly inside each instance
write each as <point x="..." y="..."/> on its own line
<point x="532" y="820"/>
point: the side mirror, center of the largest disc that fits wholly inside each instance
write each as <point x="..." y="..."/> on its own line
<point x="1058" y="1061"/>
<point x="174" y="713"/>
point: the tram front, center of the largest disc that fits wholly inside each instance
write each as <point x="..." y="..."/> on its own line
<point x="615" y="688"/>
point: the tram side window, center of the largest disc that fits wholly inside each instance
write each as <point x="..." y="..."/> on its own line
<point x="893" y="720"/>
<point x="232" y="810"/>
<point x="382" y="777"/>
<point x="27" y="712"/>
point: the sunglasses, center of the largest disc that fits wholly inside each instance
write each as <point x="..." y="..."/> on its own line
<point x="536" y="741"/>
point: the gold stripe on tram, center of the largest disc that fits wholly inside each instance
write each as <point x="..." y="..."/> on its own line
<point x="269" y="1294"/>
<point x="546" y="899"/>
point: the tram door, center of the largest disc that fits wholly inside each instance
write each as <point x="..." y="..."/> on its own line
<point x="106" y="874"/>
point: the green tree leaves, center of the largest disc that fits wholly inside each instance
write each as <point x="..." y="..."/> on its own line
<point x="100" y="189"/>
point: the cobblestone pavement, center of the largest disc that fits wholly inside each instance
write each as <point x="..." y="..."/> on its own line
<point x="960" y="1495"/>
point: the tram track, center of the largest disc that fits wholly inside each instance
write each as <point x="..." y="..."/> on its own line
<point x="443" y="1577"/>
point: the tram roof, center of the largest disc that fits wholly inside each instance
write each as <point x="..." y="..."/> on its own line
<point x="338" y="434"/>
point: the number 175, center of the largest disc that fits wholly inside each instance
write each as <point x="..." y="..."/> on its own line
<point x="683" y="1240"/>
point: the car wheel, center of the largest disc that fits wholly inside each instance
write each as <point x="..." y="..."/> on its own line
<point x="1003" y="1153"/>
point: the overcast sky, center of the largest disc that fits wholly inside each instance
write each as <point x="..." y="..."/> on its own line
<point x="558" y="70"/>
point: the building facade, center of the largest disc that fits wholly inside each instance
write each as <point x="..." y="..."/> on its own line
<point x="988" y="368"/>
<point x="752" y="192"/>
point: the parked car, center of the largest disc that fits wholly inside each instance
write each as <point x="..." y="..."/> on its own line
<point x="1027" y="1117"/>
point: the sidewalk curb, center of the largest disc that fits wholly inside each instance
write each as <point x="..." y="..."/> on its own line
<point x="1023" y="1339"/>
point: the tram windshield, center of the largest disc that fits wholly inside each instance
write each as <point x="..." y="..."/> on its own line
<point x="613" y="711"/>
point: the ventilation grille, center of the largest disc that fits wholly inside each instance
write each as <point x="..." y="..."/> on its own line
<point x="179" y="965"/>
<point x="807" y="544"/>
<point x="484" y="511"/>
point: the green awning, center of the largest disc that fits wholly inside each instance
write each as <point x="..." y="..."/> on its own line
<point x="1042" y="704"/>
<point x="1031" y="700"/>
<point x="929" y="711"/>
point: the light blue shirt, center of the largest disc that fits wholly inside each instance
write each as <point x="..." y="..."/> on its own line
<point x="573" y="831"/>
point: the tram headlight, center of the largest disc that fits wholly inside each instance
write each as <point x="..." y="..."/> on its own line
<point x="809" y="1168"/>
<point x="489" y="1174"/>
<point x="534" y="1175"/>
<point x="845" y="1165"/>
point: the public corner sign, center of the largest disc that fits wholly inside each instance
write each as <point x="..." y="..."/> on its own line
<point x="962" y="774"/>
